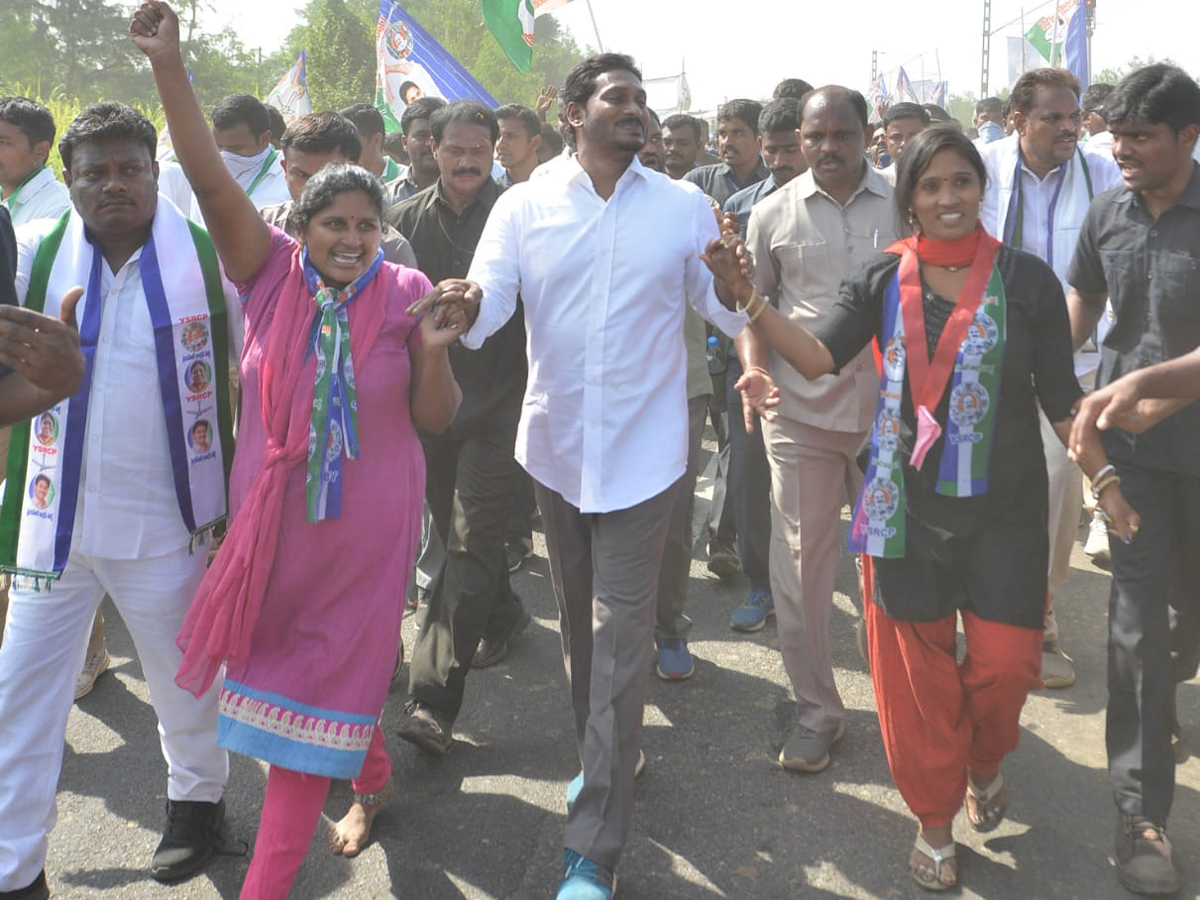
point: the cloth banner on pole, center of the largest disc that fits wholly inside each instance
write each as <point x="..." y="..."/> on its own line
<point x="542" y="7"/>
<point x="511" y="24"/>
<point x="411" y="64"/>
<point x="291" y="96"/>
<point x="1075" y="48"/>
<point x="1048" y="33"/>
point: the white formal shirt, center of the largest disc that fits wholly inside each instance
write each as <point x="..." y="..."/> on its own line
<point x="604" y="285"/>
<point x="42" y="197"/>
<point x="127" y="507"/>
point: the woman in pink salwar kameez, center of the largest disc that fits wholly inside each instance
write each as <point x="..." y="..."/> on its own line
<point x="303" y="601"/>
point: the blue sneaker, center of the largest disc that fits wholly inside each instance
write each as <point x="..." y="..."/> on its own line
<point x="674" y="660"/>
<point x="576" y="784"/>
<point x="585" y="879"/>
<point x="753" y="614"/>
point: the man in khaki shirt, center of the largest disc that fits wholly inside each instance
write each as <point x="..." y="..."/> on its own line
<point x="805" y="238"/>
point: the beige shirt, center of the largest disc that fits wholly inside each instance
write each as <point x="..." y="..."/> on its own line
<point x="804" y="243"/>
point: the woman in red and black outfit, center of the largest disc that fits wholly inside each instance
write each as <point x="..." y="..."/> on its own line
<point x="972" y="336"/>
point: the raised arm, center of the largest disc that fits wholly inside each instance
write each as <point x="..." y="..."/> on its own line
<point x="241" y="236"/>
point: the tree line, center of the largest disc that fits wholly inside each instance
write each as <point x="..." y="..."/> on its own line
<point x="78" y="51"/>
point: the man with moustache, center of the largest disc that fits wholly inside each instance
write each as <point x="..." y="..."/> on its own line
<point x="1040" y="184"/>
<point x="738" y="147"/>
<point x="604" y="424"/>
<point x="749" y="475"/>
<point x="652" y="153"/>
<point x="133" y="533"/>
<point x="423" y="168"/>
<point x="681" y="144"/>
<point x="804" y="239"/>
<point x="469" y="478"/>
<point x="1139" y="248"/>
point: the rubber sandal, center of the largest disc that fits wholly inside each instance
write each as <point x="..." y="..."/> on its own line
<point x="939" y="858"/>
<point x="982" y="798"/>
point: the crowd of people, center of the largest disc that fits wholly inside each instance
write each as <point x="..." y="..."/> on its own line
<point x="380" y="354"/>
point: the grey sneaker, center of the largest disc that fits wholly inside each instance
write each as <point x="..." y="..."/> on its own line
<point x="93" y="667"/>
<point x="1144" y="863"/>
<point x="1057" y="670"/>
<point x="807" y="750"/>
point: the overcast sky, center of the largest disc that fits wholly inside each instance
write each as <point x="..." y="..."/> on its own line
<point x="825" y="43"/>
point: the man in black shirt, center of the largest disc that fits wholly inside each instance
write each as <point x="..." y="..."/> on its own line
<point x="1140" y="249"/>
<point x="469" y="467"/>
<point x="423" y="168"/>
<point x="737" y="144"/>
<point x="681" y="144"/>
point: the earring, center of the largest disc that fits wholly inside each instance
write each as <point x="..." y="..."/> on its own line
<point x="912" y="218"/>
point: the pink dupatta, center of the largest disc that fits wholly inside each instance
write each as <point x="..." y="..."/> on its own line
<point x="220" y="622"/>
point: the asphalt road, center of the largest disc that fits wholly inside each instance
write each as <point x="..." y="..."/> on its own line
<point x="716" y="817"/>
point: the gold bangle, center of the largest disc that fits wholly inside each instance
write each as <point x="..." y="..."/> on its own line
<point x="750" y="304"/>
<point x="762" y="304"/>
<point x="1106" y="481"/>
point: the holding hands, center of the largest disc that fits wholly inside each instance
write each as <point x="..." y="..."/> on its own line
<point x="448" y="310"/>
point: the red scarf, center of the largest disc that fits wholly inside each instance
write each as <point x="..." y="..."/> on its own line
<point x="927" y="378"/>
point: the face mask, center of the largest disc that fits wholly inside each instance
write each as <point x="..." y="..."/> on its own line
<point x="244" y="167"/>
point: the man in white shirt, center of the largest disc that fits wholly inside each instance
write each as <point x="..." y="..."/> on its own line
<point x="605" y="255"/>
<point x="242" y="129"/>
<point x="27" y="186"/>
<point x="1040" y="184"/>
<point x="126" y="532"/>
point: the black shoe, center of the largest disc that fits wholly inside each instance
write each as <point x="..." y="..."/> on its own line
<point x="492" y="650"/>
<point x="191" y="837"/>
<point x="1144" y="863"/>
<point x="427" y="728"/>
<point x="516" y="554"/>
<point x="723" y="560"/>
<point x="35" y="891"/>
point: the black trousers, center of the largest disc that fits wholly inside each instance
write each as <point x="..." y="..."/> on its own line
<point x="749" y="481"/>
<point x="468" y="485"/>
<point x="1153" y="636"/>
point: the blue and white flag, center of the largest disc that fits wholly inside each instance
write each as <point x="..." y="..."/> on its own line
<point x="1075" y="48"/>
<point x="291" y="96"/>
<point x="411" y="64"/>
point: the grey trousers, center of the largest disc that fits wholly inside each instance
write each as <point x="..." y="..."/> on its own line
<point x="604" y="568"/>
<point x="677" y="555"/>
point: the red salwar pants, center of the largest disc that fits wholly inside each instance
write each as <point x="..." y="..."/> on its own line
<point x="940" y="717"/>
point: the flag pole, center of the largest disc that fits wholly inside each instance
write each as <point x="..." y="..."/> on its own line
<point x="595" y="28"/>
<point x="1054" y="38"/>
